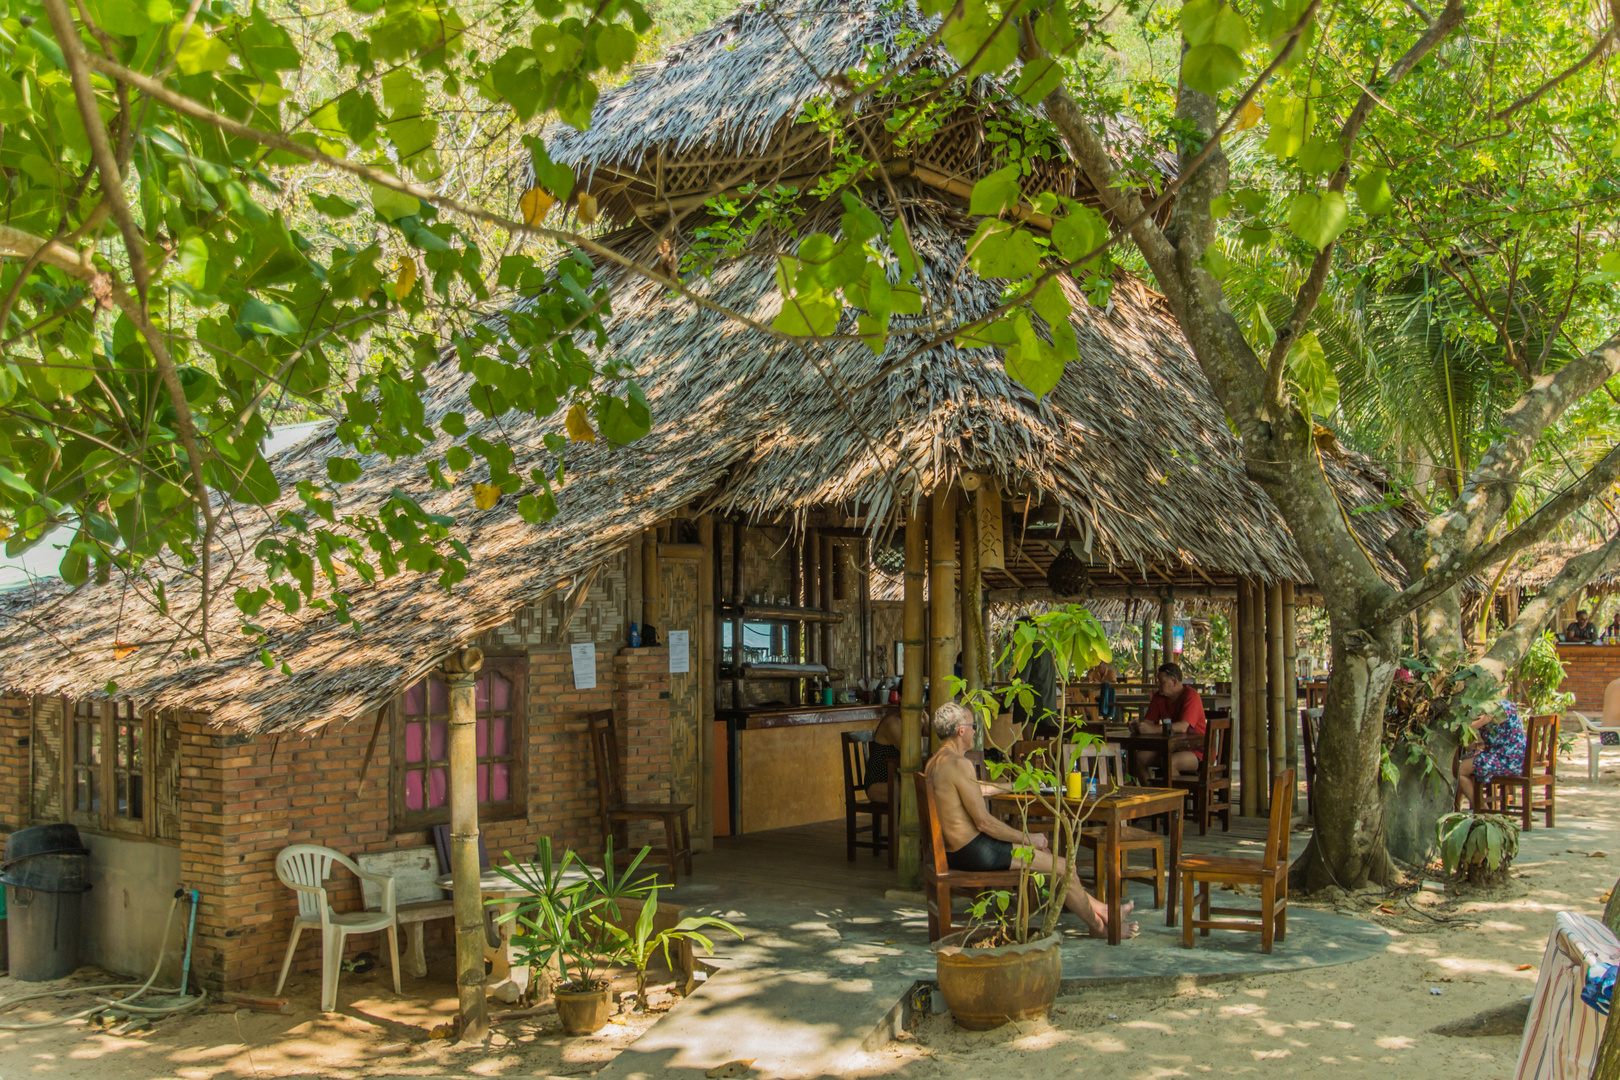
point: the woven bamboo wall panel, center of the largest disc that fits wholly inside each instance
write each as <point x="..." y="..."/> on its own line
<point x="678" y="590"/>
<point x="600" y="619"/>
<point x="45" y="748"/>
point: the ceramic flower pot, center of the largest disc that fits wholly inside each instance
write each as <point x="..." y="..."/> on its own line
<point x="582" y="1012"/>
<point x="985" y="988"/>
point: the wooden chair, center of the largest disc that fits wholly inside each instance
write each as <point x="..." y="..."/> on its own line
<point x="935" y="874"/>
<point x="857" y="745"/>
<point x="1036" y="820"/>
<point x="1540" y="770"/>
<point x="1200" y="873"/>
<point x="1309" y="720"/>
<point x="1211" y="790"/>
<point x="615" y="813"/>
<point x="1130" y="839"/>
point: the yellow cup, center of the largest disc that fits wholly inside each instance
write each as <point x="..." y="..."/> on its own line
<point x="1076" y="785"/>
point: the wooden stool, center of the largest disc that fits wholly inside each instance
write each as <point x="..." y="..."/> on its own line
<point x="1130" y="839"/>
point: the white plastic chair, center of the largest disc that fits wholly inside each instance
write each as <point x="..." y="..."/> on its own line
<point x="1593" y="733"/>
<point x="304" y="869"/>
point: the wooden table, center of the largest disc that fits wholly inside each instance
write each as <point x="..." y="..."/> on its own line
<point x="1158" y="743"/>
<point x="1112" y="810"/>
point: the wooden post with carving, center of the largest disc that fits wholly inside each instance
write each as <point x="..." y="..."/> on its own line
<point x="460" y="673"/>
<point x="911" y="706"/>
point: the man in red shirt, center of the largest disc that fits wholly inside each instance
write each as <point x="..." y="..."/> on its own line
<point x="1181" y="705"/>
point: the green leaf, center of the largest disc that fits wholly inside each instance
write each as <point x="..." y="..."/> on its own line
<point x="342" y="470"/>
<point x="1318" y="219"/>
<point x="616" y="46"/>
<point x="1209" y="69"/>
<point x="999" y="249"/>
<point x="808" y="314"/>
<point x="197" y="52"/>
<point x="122" y="17"/>
<point x="332" y="206"/>
<point x="1214" y="22"/>
<point x="981" y="32"/>
<point x="625" y="421"/>
<point x="1290" y="122"/>
<point x="995" y="192"/>
<point x="1079" y="233"/>
<point x="1309" y="369"/>
<point x="900" y="244"/>
<point x="1321" y="154"/>
<point x="392" y="205"/>
<point x="1038" y="79"/>
<point x="266" y="317"/>
<point x="1030" y="361"/>
<point x="1373" y="193"/>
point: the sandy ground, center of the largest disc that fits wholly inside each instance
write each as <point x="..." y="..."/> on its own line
<point x="1479" y="949"/>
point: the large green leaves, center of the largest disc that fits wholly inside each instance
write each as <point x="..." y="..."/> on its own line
<point x="1217" y="36"/>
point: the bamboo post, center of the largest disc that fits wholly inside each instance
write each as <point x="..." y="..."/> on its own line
<point x="942" y="597"/>
<point x="1291" y="685"/>
<point x="1167" y="618"/>
<point x="864" y="573"/>
<point x="651" y="606"/>
<point x="704" y="663"/>
<point x="911" y="707"/>
<point x="1256" y="674"/>
<point x="967" y="527"/>
<point x="460" y="673"/>
<point x="1147" y="652"/>
<point x="828" y="553"/>
<point x="812" y="589"/>
<point x="737" y="699"/>
<point x="799" y="596"/>
<point x="1274" y="682"/>
<point x="1242" y="688"/>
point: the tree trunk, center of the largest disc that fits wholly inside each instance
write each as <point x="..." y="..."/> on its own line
<point x="1348" y="847"/>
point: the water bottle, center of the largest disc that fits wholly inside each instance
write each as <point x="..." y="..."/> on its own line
<point x="635" y="635"/>
<point x="1091" y="787"/>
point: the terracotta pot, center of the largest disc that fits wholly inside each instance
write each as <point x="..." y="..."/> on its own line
<point x="985" y="988"/>
<point x="583" y="1012"/>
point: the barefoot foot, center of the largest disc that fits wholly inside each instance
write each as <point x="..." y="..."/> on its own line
<point x="1099" y="929"/>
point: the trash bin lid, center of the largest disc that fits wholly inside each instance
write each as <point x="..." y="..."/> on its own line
<point x="57" y="839"/>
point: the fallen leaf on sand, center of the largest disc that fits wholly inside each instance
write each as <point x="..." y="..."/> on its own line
<point x="1524" y="967"/>
<point x="1385" y="909"/>
<point x="730" y="1068"/>
<point x="1598" y="855"/>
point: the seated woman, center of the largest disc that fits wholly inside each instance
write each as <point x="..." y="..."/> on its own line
<point x="883" y="758"/>
<point x="1500" y="751"/>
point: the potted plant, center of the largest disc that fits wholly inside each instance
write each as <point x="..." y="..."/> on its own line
<point x="567" y="918"/>
<point x="641" y="942"/>
<point x="1481" y="846"/>
<point x="1006" y="965"/>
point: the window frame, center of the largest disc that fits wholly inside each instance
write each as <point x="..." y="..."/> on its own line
<point x="103" y="721"/>
<point x="515" y="669"/>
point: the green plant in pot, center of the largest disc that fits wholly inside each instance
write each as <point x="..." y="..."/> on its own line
<point x="1480" y="846"/>
<point x="567" y="919"/>
<point x="641" y="942"/>
<point x="1006" y="965"/>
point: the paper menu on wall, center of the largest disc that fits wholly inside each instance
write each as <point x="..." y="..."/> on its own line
<point x="680" y="652"/>
<point x="584" y="657"/>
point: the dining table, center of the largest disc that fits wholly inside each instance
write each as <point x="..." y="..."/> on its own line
<point x="1113" y="808"/>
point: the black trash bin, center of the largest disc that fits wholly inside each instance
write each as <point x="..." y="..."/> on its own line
<point x="45" y="872"/>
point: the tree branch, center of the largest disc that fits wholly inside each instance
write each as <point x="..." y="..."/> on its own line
<point x="1533" y="529"/>
<point x="1310" y="291"/>
<point x="1511" y="645"/>
<point x="1597" y="50"/>
<point x="1488" y="490"/>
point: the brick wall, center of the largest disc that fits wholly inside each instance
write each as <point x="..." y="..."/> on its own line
<point x="244" y="800"/>
<point x="16" y="715"/>
<point x="1588" y="670"/>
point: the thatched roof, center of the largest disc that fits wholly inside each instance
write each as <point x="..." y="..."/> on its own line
<point x="1537" y="565"/>
<point x="1130" y="447"/>
<point x="725" y="108"/>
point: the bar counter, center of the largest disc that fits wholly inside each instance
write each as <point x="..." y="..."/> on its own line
<point x="785" y="763"/>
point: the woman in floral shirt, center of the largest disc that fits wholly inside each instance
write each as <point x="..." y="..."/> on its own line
<point x="1500" y="751"/>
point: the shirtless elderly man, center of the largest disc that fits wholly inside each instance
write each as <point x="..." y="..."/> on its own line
<point x="976" y="841"/>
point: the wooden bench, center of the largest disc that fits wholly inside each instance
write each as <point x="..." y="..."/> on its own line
<point x="417" y="898"/>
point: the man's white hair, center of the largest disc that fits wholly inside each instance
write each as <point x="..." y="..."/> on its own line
<point x="948" y="717"/>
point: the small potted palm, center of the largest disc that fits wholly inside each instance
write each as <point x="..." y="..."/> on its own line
<point x="567" y="917"/>
<point x="1006" y="965"/>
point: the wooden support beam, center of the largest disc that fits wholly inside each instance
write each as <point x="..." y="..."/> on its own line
<point x="911" y="696"/>
<point x="1277" y="723"/>
<point x="967" y="527"/>
<point x="651" y="607"/>
<point x="1291" y="685"/>
<point x="942" y="597"/>
<point x="1167" y="638"/>
<point x="798" y="594"/>
<point x="812" y="590"/>
<point x="1262" y="731"/>
<point x="460" y="674"/>
<point x="737" y="700"/>
<point x="1106" y="592"/>
<point x="1147" y="651"/>
<point x="705" y="663"/>
<point x="1240" y="699"/>
<point x="825" y="603"/>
